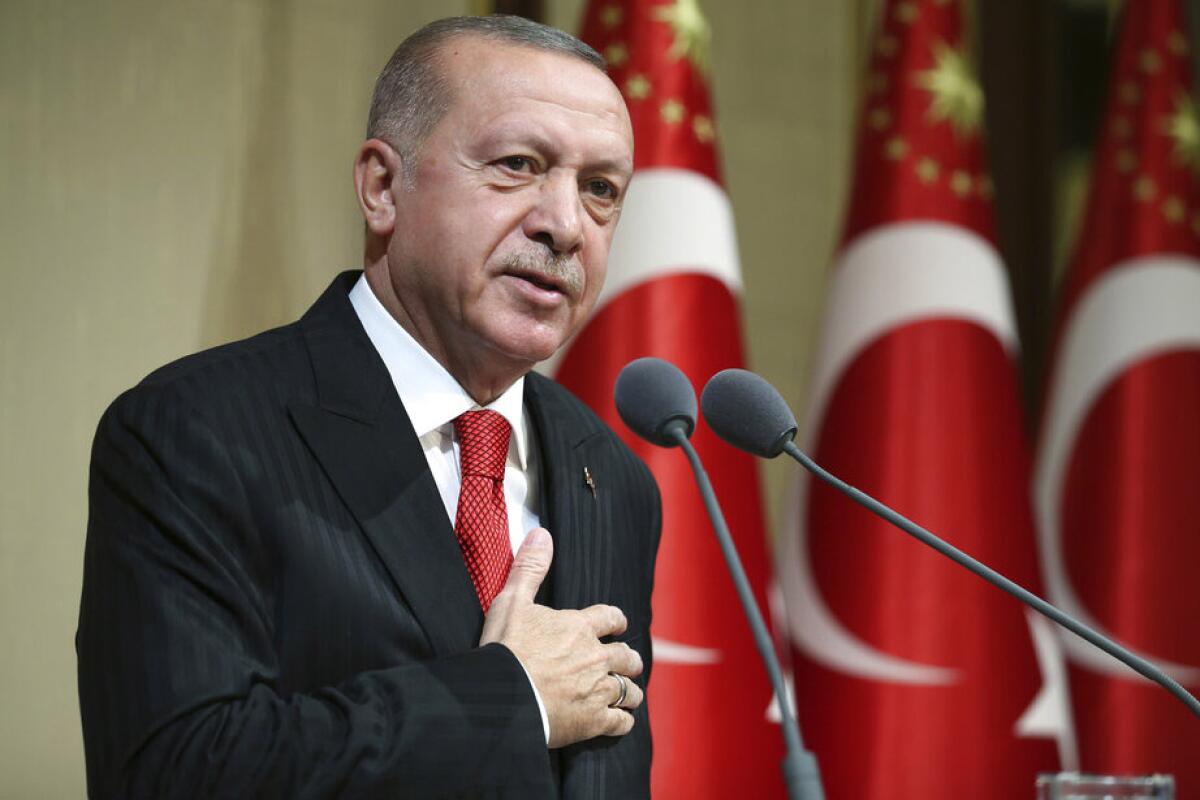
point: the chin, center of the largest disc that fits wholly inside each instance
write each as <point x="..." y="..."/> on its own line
<point x="528" y="342"/>
<point x="531" y="353"/>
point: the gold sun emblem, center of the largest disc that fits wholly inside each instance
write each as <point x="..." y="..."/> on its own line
<point x="692" y="33"/>
<point x="1177" y="44"/>
<point x="961" y="182"/>
<point x="1173" y="210"/>
<point x="957" y="98"/>
<point x="895" y="148"/>
<point x="1184" y="129"/>
<point x="610" y="16"/>
<point x="1144" y="188"/>
<point x="637" y="87"/>
<point x="927" y="170"/>
<point x="672" y="111"/>
<point x="616" y="54"/>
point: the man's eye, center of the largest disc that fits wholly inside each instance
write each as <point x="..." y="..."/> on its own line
<point x="517" y="163"/>
<point x="602" y="189"/>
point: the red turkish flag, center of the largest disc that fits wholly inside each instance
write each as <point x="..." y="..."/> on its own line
<point x="1119" y="449"/>
<point x="673" y="292"/>
<point x="916" y="680"/>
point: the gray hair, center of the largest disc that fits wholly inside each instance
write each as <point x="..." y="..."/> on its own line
<point x="412" y="94"/>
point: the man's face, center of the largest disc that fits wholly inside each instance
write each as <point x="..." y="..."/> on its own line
<point x="504" y="224"/>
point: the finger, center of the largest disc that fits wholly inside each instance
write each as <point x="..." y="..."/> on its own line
<point x="616" y="722"/>
<point x="620" y="657"/>
<point x="633" y="696"/>
<point x="620" y="690"/>
<point x="626" y="695"/>
<point x="529" y="567"/>
<point x="605" y="620"/>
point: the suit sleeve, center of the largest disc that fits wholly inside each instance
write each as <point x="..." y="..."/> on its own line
<point x="177" y="660"/>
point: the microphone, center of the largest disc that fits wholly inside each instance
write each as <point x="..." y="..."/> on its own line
<point x="656" y="400"/>
<point x="733" y="395"/>
<point x="747" y="412"/>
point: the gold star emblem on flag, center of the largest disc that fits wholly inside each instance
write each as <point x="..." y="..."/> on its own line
<point x="637" y="87"/>
<point x="895" y="148"/>
<point x="692" y="33"/>
<point x="616" y="54"/>
<point x="957" y="98"/>
<point x="927" y="170"/>
<point x="672" y="111"/>
<point x="1183" y="128"/>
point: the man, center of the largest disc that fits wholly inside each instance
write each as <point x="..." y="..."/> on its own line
<point x="300" y="576"/>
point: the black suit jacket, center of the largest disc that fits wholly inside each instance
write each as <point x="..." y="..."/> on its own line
<point x="274" y="603"/>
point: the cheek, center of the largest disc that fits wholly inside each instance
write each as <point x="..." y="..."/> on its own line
<point x="595" y="267"/>
<point x="493" y="223"/>
<point x="464" y="215"/>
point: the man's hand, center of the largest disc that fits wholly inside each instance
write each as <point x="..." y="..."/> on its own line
<point x="562" y="652"/>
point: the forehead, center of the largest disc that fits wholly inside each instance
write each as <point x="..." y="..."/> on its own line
<point x="500" y="88"/>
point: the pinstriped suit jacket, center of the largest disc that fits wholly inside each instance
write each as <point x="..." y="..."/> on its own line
<point x="274" y="603"/>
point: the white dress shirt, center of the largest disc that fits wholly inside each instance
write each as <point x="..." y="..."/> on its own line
<point x="432" y="399"/>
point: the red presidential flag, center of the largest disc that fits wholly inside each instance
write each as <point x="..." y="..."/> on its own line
<point x="915" y="680"/>
<point x="673" y="292"/>
<point x="1119" y="447"/>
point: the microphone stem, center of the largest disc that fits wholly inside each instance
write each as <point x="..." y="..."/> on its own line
<point x="1133" y="661"/>
<point x="800" y="770"/>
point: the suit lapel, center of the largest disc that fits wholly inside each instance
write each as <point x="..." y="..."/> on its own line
<point x="582" y="525"/>
<point x="580" y="573"/>
<point x="362" y="437"/>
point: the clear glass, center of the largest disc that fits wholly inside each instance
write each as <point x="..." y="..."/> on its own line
<point x="1077" y="786"/>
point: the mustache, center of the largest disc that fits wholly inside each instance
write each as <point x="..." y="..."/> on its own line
<point x="559" y="268"/>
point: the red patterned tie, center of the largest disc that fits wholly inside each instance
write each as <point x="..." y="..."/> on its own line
<point x="481" y="523"/>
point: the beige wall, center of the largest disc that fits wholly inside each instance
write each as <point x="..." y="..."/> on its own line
<point x="176" y="174"/>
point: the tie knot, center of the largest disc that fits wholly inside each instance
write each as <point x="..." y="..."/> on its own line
<point x="482" y="443"/>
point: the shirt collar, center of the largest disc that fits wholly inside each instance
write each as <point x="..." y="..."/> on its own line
<point x="430" y="394"/>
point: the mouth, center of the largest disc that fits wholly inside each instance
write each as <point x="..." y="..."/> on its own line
<point x="540" y="280"/>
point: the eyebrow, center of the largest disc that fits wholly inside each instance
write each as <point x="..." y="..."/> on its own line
<point x="543" y="144"/>
<point x="624" y="166"/>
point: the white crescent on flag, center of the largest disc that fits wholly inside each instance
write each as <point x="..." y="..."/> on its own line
<point x="668" y="652"/>
<point x="1138" y="309"/>
<point x="673" y="220"/>
<point x="886" y="278"/>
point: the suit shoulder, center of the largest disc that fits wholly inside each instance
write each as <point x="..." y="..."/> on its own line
<point x="577" y="415"/>
<point x="273" y="364"/>
<point x="226" y="358"/>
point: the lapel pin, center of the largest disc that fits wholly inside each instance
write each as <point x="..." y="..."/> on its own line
<point x="587" y="480"/>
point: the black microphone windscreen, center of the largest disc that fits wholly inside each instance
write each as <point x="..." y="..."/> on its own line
<point x="749" y="413"/>
<point x="650" y="394"/>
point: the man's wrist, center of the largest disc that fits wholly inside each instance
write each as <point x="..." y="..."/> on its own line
<point x="538" y="697"/>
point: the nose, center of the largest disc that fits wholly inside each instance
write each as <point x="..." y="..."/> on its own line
<point x="556" y="220"/>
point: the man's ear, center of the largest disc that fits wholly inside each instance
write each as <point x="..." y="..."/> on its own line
<point x="377" y="171"/>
